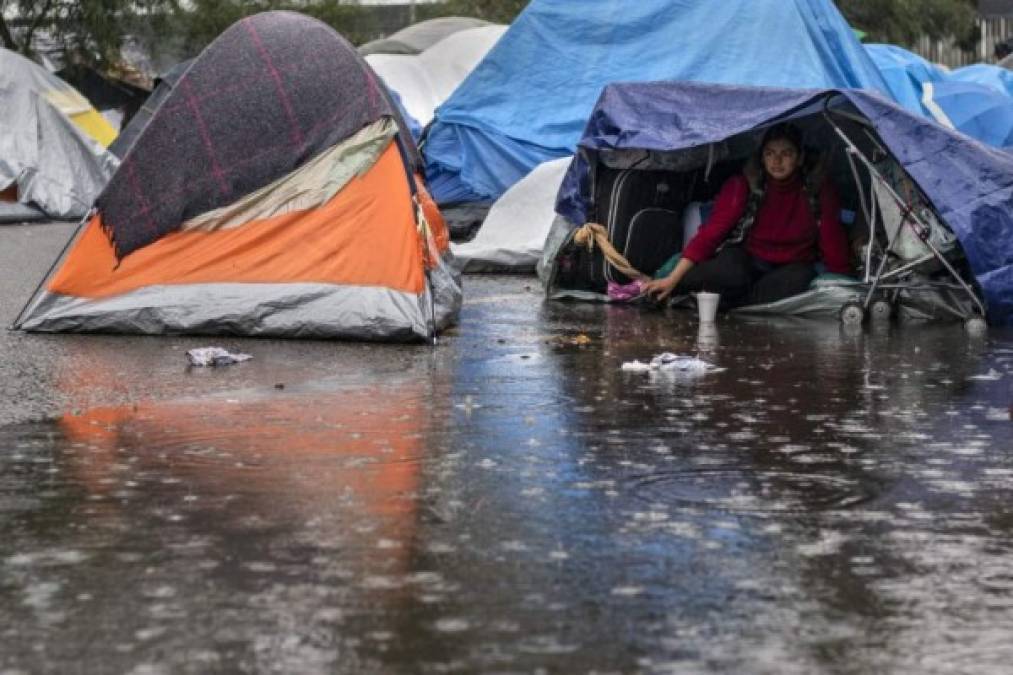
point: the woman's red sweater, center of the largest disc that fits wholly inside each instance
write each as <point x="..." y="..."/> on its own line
<point x="784" y="231"/>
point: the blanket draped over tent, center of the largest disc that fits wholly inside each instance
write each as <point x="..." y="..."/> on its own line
<point x="274" y="192"/>
<point x="260" y="105"/>
<point x="527" y="101"/>
<point x="970" y="185"/>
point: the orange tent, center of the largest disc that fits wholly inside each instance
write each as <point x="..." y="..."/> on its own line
<point x="274" y="192"/>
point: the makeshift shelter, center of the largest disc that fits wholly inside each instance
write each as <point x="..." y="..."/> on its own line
<point x="528" y="100"/>
<point x="274" y="192"/>
<point x="18" y="72"/>
<point x="938" y="183"/>
<point x="425" y="80"/>
<point x="978" y="110"/>
<point x="418" y="37"/>
<point x="905" y="72"/>
<point x="999" y="79"/>
<point x="49" y="167"/>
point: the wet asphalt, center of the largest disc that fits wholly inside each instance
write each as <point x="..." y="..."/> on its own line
<point x="828" y="500"/>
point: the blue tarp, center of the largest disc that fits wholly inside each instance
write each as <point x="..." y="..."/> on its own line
<point x="905" y="73"/>
<point x="995" y="77"/>
<point x="975" y="109"/>
<point x="528" y="100"/>
<point x="970" y="184"/>
<point x="976" y="100"/>
<point x="413" y="124"/>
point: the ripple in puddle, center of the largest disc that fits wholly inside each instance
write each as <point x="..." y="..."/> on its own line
<point x="746" y="491"/>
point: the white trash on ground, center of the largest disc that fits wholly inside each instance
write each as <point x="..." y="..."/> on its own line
<point x="214" y="356"/>
<point x="669" y="362"/>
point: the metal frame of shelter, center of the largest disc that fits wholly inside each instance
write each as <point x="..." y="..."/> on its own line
<point x="883" y="286"/>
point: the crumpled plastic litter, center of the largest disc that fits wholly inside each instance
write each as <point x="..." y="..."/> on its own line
<point x="625" y="292"/>
<point x="214" y="356"/>
<point x="670" y="362"/>
<point x="991" y="375"/>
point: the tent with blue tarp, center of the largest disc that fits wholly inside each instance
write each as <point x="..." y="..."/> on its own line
<point x="975" y="109"/>
<point x="976" y="100"/>
<point x="905" y="72"/>
<point x="996" y="77"/>
<point x="528" y="100"/>
<point x="967" y="184"/>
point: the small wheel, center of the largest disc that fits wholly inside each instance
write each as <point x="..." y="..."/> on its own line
<point x="881" y="310"/>
<point x="852" y="314"/>
<point x="976" y="325"/>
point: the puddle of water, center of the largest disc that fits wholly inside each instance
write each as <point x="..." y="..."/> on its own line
<point x="832" y="500"/>
<point x="740" y="490"/>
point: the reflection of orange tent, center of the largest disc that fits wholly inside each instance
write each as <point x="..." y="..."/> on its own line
<point x="274" y="192"/>
<point x="297" y="459"/>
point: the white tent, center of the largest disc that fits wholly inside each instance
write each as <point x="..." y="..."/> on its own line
<point x="420" y="36"/>
<point x="513" y="235"/>
<point x="49" y="166"/>
<point x="425" y="80"/>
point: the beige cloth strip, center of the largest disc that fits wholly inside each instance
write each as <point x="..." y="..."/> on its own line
<point x="594" y="233"/>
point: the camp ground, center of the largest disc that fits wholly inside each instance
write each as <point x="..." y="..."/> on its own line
<point x="305" y="219"/>
<point x="973" y="100"/>
<point x="261" y="417"/>
<point x="527" y="102"/>
<point x="53" y="161"/>
<point x="940" y="245"/>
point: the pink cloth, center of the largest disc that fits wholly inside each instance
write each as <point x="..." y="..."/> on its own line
<point x="625" y="292"/>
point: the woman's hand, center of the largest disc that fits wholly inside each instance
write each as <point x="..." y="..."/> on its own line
<point x="661" y="288"/>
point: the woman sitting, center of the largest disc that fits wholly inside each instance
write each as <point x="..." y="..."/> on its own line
<point x="765" y="235"/>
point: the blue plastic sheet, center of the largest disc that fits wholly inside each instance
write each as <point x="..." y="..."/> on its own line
<point x="995" y="77"/>
<point x="974" y="109"/>
<point x="905" y="73"/>
<point x="529" y="99"/>
<point x="970" y="184"/>
<point x="413" y="124"/>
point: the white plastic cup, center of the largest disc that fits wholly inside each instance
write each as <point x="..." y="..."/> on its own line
<point x="707" y="305"/>
<point x="707" y="338"/>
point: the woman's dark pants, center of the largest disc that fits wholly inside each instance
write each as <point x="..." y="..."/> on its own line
<point x="743" y="280"/>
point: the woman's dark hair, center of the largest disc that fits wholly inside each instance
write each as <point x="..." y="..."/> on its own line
<point x="783" y="132"/>
<point x="754" y="165"/>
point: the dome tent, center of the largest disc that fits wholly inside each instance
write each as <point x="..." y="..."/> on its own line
<point x="274" y="192"/>
<point x="22" y="72"/>
<point x="418" y="37"/>
<point x="425" y="80"/>
<point x="50" y="167"/>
